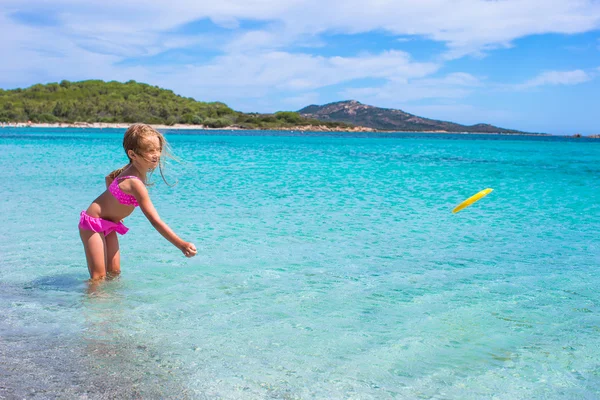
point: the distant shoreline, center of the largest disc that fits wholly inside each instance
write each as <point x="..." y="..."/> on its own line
<point x="101" y="125"/>
<point x="302" y="128"/>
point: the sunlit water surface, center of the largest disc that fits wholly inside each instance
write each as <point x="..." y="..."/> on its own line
<point x="329" y="266"/>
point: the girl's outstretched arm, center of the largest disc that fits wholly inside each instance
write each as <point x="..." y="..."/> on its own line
<point x="141" y="195"/>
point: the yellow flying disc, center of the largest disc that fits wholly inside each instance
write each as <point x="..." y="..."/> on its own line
<point x="472" y="199"/>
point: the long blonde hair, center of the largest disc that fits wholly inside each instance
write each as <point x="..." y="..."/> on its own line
<point x="135" y="139"/>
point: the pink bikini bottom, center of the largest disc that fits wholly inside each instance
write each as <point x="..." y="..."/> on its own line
<point x="101" y="225"/>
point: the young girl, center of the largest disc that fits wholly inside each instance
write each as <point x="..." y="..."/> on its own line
<point x="125" y="190"/>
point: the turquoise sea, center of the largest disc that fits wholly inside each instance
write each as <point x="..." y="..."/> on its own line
<point x="330" y="266"/>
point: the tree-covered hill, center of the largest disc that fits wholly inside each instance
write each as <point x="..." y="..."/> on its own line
<point x="113" y="102"/>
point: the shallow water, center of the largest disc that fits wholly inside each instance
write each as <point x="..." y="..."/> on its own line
<point x="329" y="266"/>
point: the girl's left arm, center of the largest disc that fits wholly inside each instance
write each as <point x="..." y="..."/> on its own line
<point x="140" y="192"/>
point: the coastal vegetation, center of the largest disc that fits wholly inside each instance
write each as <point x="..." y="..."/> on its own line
<point x="96" y="101"/>
<point x="100" y="102"/>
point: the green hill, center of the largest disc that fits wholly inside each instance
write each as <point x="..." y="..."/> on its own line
<point x="113" y="102"/>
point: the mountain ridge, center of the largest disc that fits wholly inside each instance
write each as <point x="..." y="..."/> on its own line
<point x="389" y="119"/>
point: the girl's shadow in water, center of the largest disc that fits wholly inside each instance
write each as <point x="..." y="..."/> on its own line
<point x="73" y="283"/>
<point x="57" y="290"/>
<point x="58" y="283"/>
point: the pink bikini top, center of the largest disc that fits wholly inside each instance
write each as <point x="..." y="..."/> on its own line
<point x="121" y="196"/>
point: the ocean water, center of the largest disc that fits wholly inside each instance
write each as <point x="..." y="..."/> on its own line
<point x="329" y="266"/>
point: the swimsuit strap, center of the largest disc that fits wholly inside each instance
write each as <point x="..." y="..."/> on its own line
<point x="128" y="176"/>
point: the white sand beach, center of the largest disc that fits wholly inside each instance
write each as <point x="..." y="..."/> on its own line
<point x="99" y="125"/>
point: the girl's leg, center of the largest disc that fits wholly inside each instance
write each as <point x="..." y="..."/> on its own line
<point x="113" y="256"/>
<point x="95" y="253"/>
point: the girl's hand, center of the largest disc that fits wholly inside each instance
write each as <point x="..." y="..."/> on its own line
<point x="188" y="249"/>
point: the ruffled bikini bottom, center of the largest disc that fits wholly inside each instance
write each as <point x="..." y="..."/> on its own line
<point x="101" y="225"/>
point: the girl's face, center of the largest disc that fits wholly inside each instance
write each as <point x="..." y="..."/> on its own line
<point x="148" y="155"/>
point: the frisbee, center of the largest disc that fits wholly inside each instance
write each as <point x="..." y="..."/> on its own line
<point x="472" y="200"/>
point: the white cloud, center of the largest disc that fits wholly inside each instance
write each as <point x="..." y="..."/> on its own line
<point x="466" y="26"/>
<point x="396" y="94"/>
<point x="257" y="75"/>
<point x="93" y="39"/>
<point x="557" y="78"/>
<point x="33" y="55"/>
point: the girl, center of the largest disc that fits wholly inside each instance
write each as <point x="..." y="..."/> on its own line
<point x="125" y="190"/>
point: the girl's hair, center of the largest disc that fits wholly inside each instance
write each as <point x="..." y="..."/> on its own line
<point x="136" y="139"/>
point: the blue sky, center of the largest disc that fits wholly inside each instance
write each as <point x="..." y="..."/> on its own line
<point x="532" y="65"/>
